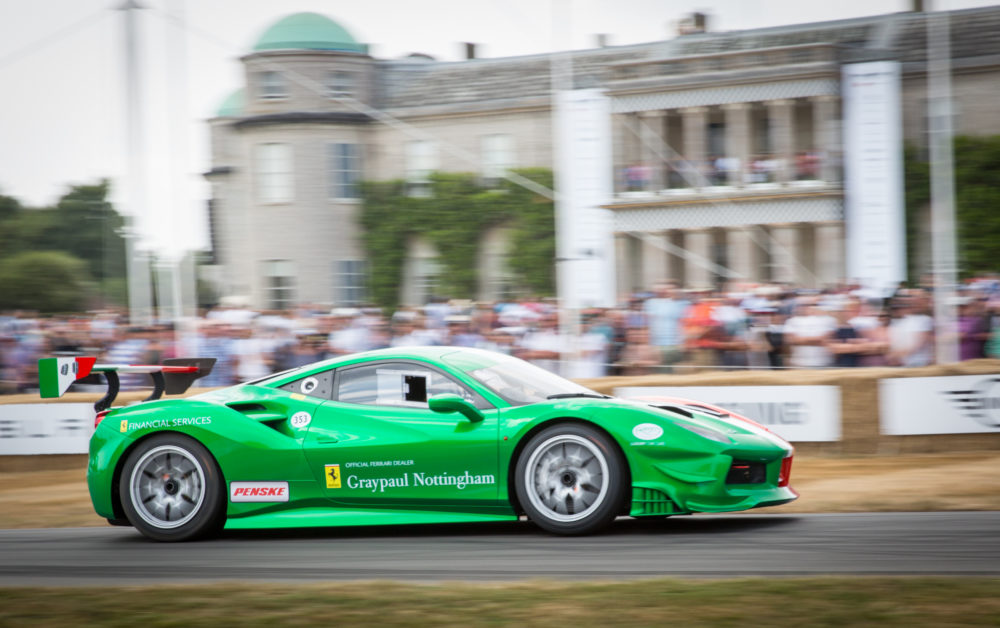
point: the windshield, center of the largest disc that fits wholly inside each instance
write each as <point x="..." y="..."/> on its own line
<point x="520" y="383"/>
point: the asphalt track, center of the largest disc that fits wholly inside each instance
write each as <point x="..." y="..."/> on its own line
<point x="952" y="543"/>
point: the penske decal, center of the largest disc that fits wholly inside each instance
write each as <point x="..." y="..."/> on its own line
<point x="258" y="491"/>
<point x="158" y="423"/>
<point x="418" y="479"/>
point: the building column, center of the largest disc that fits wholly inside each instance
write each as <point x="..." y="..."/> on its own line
<point x="738" y="140"/>
<point x="676" y="265"/>
<point x="784" y="254"/>
<point x="619" y="131"/>
<point x="695" y="120"/>
<point x="654" y="260"/>
<point x="826" y="139"/>
<point x="780" y="125"/>
<point x="807" y="270"/>
<point x="696" y="275"/>
<point x="623" y="281"/>
<point x="742" y="253"/>
<point x="830" y="253"/>
<point x="651" y="131"/>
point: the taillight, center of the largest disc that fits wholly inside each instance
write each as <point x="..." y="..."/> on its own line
<point x="103" y="413"/>
<point x="786" y="471"/>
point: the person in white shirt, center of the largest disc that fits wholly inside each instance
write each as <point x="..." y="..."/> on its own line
<point x="911" y="338"/>
<point x="808" y="333"/>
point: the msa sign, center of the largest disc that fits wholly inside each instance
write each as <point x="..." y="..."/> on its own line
<point x="967" y="404"/>
<point x="796" y="413"/>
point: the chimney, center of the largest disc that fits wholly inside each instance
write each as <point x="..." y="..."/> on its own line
<point x="919" y="6"/>
<point x="470" y="50"/>
<point x="601" y="40"/>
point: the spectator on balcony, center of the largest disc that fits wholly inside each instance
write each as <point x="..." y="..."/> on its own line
<point x="806" y="165"/>
<point x="637" y="178"/>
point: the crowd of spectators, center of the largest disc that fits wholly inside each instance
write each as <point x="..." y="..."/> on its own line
<point x="720" y="170"/>
<point x="665" y="330"/>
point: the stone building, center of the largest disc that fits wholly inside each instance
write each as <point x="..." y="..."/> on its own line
<point x="726" y="147"/>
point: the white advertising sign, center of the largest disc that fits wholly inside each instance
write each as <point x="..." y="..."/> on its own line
<point x="46" y="428"/>
<point x="799" y="414"/>
<point x="964" y="404"/>
<point x="584" y="231"/>
<point x="873" y="174"/>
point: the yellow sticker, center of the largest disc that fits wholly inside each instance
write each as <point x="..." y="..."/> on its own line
<point x="297" y="396"/>
<point x="332" y="472"/>
<point x="124" y="425"/>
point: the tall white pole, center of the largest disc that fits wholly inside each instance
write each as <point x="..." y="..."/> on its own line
<point x="180" y="200"/>
<point x="137" y="266"/>
<point x="942" y="185"/>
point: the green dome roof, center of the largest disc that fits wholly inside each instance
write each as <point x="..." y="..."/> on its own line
<point x="232" y="105"/>
<point x="308" y="31"/>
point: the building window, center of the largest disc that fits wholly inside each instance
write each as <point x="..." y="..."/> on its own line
<point x="421" y="161"/>
<point x="497" y="156"/>
<point x="271" y="85"/>
<point x="274" y="173"/>
<point x="340" y="83"/>
<point x="352" y="282"/>
<point x="344" y="167"/>
<point x="279" y="284"/>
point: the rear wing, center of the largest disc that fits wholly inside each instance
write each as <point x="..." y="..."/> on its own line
<point x="174" y="376"/>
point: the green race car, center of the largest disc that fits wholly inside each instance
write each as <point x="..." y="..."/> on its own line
<point x="420" y="435"/>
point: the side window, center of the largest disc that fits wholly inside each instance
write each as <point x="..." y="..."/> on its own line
<point x="396" y="384"/>
<point x="318" y="385"/>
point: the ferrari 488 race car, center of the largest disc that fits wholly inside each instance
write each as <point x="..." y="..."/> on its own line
<point x="419" y="435"/>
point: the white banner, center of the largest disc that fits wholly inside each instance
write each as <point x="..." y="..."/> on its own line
<point x="963" y="404"/>
<point x="873" y="174"/>
<point x="799" y="414"/>
<point x="584" y="231"/>
<point x="46" y="428"/>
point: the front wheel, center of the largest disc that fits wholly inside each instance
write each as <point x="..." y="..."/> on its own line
<point x="172" y="490"/>
<point x="570" y="479"/>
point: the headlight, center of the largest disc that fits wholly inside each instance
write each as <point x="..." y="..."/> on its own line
<point x="706" y="432"/>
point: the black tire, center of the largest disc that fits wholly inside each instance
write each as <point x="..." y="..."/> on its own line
<point x="570" y="479"/>
<point x="171" y="489"/>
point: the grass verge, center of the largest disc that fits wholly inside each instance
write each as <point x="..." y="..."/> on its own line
<point x="827" y="601"/>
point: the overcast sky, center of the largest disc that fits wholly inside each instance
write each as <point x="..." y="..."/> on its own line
<point x="62" y="115"/>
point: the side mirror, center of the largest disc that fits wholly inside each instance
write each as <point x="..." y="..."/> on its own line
<point x="450" y="402"/>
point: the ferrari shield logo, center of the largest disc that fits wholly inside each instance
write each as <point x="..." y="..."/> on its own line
<point x="332" y="472"/>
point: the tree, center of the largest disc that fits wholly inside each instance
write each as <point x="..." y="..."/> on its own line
<point x="977" y="205"/>
<point x="46" y="281"/>
<point x="82" y="225"/>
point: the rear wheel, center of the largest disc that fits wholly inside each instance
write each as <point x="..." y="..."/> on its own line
<point x="569" y="479"/>
<point x="171" y="489"/>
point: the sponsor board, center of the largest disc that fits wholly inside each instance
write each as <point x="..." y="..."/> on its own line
<point x="796" y="413"/>
<point x="258" y="492"/>
<point x="50" y="428"/>
<point x="961" y="404"/>
<point x="127" y="426"/>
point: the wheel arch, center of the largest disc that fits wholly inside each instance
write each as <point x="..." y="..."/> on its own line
<point x="116" y="501"/>
<point x="526" y="438"/>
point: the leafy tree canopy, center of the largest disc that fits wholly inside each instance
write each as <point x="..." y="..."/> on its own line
<point x="46" y="281"/>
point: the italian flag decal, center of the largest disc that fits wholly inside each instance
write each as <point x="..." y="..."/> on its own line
<point x="55" y="375"/>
